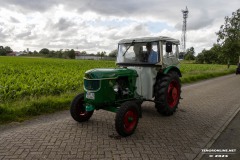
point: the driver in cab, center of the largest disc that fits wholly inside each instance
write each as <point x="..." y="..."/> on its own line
<point x="152" y="55"/>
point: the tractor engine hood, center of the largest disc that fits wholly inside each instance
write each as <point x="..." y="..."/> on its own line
<point x="109" y="73"/>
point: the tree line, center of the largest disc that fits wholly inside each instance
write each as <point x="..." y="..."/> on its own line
<point x="67" y="54"/>
<point x="5" y="50"/>
<point x="72" y="54"/>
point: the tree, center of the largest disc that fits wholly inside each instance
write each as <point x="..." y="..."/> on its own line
<point x="35" y="52"/>
<point x="229" y="37"/>
<point x="214" y="55"/>
<point x="8" y="49"/>
<point x="209" y="56"/>
<point x="83" y="52"/>
<point x="200" y="58"/>
<point x="103" y="53"/>
<point x="52" y="54"/>
<point x="59" y="53"/>
<point x="44" y="51"/>
<point x="2" y="51"/>
<point x="190" y="54"/>
<point x="218" y="55"/>
<point x="71" y="54"/>
<point x="113" y="53"/>
<point x="191" y="51"/>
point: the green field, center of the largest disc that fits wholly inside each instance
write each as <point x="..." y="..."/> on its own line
<point x="32" y="86"/>
<point x="21" y="77"/>
<point x="196" y="72"/>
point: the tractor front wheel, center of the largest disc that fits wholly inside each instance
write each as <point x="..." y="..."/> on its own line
<point x="127" y="118"/>
<point x="167" y="92"/>
<point x="78" y="111"/>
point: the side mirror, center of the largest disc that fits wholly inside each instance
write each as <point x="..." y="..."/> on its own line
<point x="168" y="47"/>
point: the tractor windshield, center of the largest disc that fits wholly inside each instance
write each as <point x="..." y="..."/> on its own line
<point x="138" y="53"/>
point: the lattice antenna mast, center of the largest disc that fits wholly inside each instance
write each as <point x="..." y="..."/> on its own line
<point x="184" y="30"/>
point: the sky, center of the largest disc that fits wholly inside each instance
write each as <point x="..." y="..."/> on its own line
<point x="98" y="25"/>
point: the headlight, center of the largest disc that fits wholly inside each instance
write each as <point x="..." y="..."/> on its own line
<point x="115" y="88"/>
<point x="91" y="84"/>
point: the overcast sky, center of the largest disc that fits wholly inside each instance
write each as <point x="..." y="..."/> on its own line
<point x="97" y="25"/>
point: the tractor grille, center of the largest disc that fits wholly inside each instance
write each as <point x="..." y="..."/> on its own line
<point x="91" y="84"/>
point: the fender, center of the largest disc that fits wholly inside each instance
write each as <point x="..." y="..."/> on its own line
<point x="172" y="68"/>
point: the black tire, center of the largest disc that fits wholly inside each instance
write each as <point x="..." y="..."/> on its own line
<point x="78" y="111"/>
<point x="126" y="119"/>
<point x="167" y="92"/>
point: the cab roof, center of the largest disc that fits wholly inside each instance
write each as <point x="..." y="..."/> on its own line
<point x="150" y="39"/>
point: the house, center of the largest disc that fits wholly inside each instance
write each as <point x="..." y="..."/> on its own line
<point x="94" y="57"/>
<point x="12" y="54"/>
<point x="77" y="53"/>
<point x="89" y="57"/>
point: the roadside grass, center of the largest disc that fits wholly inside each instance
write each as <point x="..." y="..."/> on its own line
<point x="25" y="107"/>
<point x="195" y="72"/>
<point x="29" y="107"/>
<point x="197" y="76"/>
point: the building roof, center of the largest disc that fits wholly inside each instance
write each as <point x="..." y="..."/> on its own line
<point x="150" y="39"/>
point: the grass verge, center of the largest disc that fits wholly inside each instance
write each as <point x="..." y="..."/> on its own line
<point x="27" y="108"/>
<point x="197" y="76"/>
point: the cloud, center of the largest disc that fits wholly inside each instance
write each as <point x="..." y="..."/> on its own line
<point x="94" y="25"/>
<point x="63" y="24"/>
<point x="201" y="19"/>
<point x="26" y="5"/>
<point x="23" y="35"/>
<point x="14" y="20"/>
<point x="2" y="36"/>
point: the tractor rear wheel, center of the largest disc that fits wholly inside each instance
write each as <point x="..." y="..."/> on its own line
<point x="127" y="118"/>
<point x="78" y="111"/>
<point x="167" y="92"/>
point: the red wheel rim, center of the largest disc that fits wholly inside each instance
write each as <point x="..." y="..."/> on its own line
<point x="173" y="93"/>
<point x="82" y="110"/>
<point x="83" y="113"/>
<point x="130" y="120"/>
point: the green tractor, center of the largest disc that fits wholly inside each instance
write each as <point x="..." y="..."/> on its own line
<point x="148" y="71"/>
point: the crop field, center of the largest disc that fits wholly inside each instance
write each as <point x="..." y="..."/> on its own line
<point x="20" y="77"/>
<point x="32" y="86"/>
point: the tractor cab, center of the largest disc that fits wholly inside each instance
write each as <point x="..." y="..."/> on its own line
<point x="148" y="56"/>
<point x="148" y="51"/>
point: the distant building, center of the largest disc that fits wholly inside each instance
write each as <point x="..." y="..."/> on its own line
<point x="15" y="53"/>
<point x="77" y="53"/>
<point x="89" y="57"/>
<point x="19" y="53"/>
<point x="11" y="54"/>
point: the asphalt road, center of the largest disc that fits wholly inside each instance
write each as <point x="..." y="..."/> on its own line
<point x="206" y="110"/>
